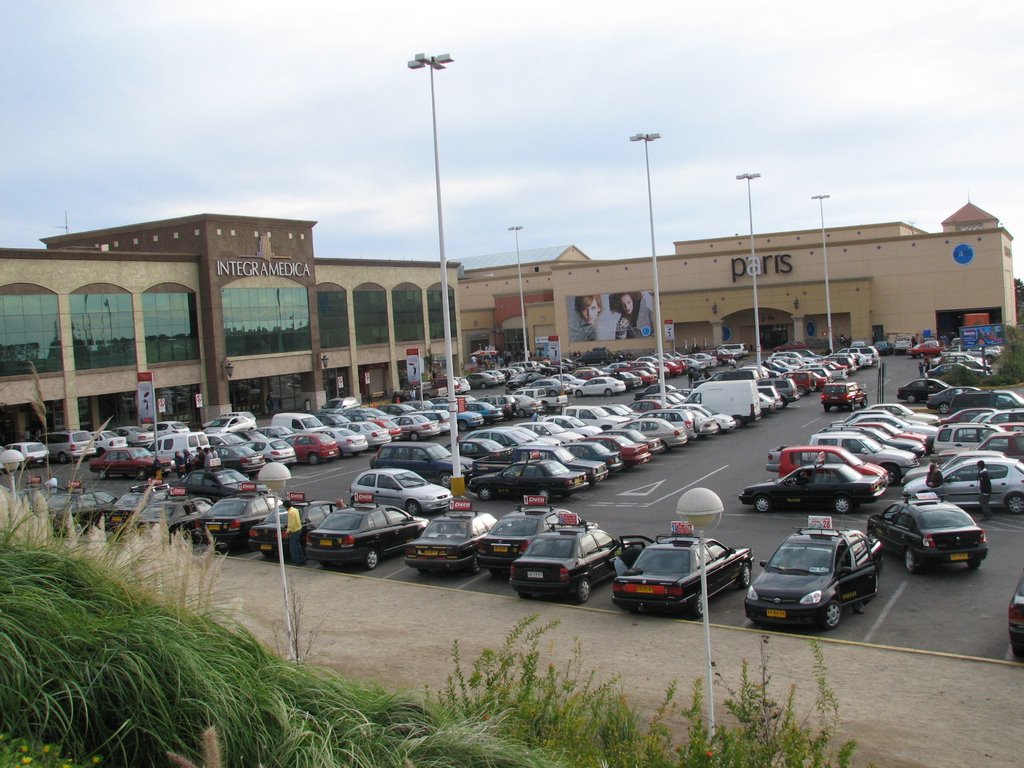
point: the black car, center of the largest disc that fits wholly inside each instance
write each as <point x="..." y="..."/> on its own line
<point x="523" y="379"/>
<point x="263" y="537"/>
<point x="485" y="449"/>
<point x="1015" y="618"/>
<point x="652" y="390"/>
<point x="919" y="390"/>
<point x="217" y="483"/>
<point x="595" y="470"/>
<point x="428" y="460"/>
<point x="362" y="535"/>
<point x="138" y="496"/>
<point x="940" y="401"/>
<point x="631" y="380"/>
<point x="923" y="532"/>
<point x="177" y="513"/>
<point x="545" y="478"/>
<point x="596" y="452"/>
<point x="85" y="508"/>
<point x="812" y="576"/>
<point x="827" y="486"/>
<point x="566" y="562"/>
<point x="240" y="457"/>
<point x="512" y="534"/>
<point x="665" y="577"/>
<point x="449" y="543"/>
<point x="227" y="523"/>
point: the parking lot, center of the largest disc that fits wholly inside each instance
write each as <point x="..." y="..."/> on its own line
<point x="946" y="609"/>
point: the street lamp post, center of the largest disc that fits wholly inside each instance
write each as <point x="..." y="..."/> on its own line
<point x="753" y="266"/>
<point x="824" y="251"/>
<point x="522" y="302"/>
<point x="420" y="61"/>
<point x="276" y="476"/>
<point x="11" y="459"/>
<point x="647" y="138"/>
<point x="703" y="508"/>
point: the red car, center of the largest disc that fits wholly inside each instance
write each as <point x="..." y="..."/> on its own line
<point x="646" y="373"/>
<point x="314" y="447"/>
<point x="806" y="381"/>
<point x="133" y="461"/>
<point x="632" y="454"/>
<point x="926" y="349"/>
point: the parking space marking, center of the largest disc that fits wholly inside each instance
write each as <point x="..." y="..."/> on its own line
<point x="885" y="612"/>
<point x="643" y="490"/>
<point x="688" y="485"/>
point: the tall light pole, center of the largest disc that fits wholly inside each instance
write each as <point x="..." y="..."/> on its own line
<point x="753" y="266"/>
<point x="824" y="250"/>
<point x="647" y="138"/>
<point x="421" y="60"/>
<point x="522" y="302"/>
<point x="275" y="476"/>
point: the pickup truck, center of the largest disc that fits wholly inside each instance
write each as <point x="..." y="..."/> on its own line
<point x="786" y="458"/>
<point x="551" y="400"/>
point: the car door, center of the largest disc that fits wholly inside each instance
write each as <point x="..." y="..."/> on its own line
<point x="719" y="574"/>
<point x="600" y="557"/>
<point x="388" y="489"/>
<point x="398" y="530"/>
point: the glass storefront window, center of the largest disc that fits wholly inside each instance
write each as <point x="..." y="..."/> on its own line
<point x="259" y="321"/>
<point x="407" y="310"/>
<point x="436" y="314"/>
<point x="29" y="335"/>
<point x="332" y="310"/>
<point x="102" y="330"/>
<point x="371" y="311"/>
<point x="172" y="332"/>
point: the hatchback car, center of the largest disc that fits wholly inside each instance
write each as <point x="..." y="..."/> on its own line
<point x="70" y="446"/>
<point x="813" y="575"/>
<point x="274" y="449"/>
<point x="925" y="532"/>
<point x="847" y="394"/>
<point x="350" y="442"/>
<point x="34" y="453"/>
<point x="240" y="457"/>
<point x="960" y="486"/>
<point x="313" y="447"/>
<point x="401" y="488"/>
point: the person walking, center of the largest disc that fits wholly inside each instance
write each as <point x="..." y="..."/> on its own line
<point x="984" y="490"/>
<point x="934" y="478"/>
<point x="158" y="470"/>
<point x="294" y="530"/>
<point x="922" y="367"/>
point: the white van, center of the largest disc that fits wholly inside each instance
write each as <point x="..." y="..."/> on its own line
<point x="300" y="422"/>
<point x="167" y="445"/>
<point x="739" y="398"/>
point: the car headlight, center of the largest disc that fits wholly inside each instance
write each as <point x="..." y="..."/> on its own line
<point x="752" y="594"/>
<point x="811" y="598"/>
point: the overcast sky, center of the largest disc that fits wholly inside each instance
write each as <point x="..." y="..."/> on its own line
<point x="123" y="112"/>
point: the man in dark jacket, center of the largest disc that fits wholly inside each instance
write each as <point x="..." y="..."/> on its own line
<point x="984" y="490"/>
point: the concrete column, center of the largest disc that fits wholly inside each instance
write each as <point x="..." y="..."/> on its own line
<point x="392" y="383"/>
<point x="716" y="332"/>
<point x="798" y="328"/>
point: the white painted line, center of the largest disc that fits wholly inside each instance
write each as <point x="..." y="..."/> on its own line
<point x="885" y="612"/>
<point x="688" y="485"/>
<point x="643" y="490"/>
<point x="478" y="578"/>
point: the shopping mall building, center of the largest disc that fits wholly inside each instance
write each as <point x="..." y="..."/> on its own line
<point x="883" y="279"/>
<point x="214" y="313"/>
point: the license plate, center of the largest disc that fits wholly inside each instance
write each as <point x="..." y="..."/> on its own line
<point x="535" y="574"/>
<point x="775" y="613"/>
<point x="646" y="589"/>
<point x="578" y="481"/>
<point x="213" y="526"/>
<point x="117" y="518"/>
<point x="326" y="543"/>
<point x="266" y="547"/>
<point x="429" y="552"/>
<point x="958" y="556"/>
<point x="500" y="548"/>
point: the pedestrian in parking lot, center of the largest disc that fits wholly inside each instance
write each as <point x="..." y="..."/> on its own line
<point x="180" y="464"/>
<point x="934" y="478"/>
<point x="158" y="469"/>
<point x="922" y="367"/>
<point x="984" y="490"/>
<point x="294" y="529"/>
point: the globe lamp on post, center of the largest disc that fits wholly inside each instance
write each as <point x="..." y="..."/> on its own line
<point x="702" y="508"/>
<point x="276" y="476"/>
<point x="11" y="460"/>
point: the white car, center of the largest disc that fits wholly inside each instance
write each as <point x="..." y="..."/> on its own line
<point x="281" y="432"/>
<point x="549" y="429"/>
<point x="274" y="449"/>
<point x="171" y="428"/>
<point x="595" y="416"/>
<point x="573" y="424"/>
<point x="599" y="385"/>
<point x="908" y="414"/>
<point x="673" y="435"/>
<point x="441" y="418"/>
<point x="402" y="488"/>
<point x="230" y="422"/>
<point x="108" y="439"/>
<point x="34" y="453"/>
<point x="726" y="422"/>
<point x="349" y="442"/>
<point x="374" y="433"/>
<point x="141" y="435"/>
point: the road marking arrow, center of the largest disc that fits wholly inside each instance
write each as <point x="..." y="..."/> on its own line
<point x="643" y="490"/>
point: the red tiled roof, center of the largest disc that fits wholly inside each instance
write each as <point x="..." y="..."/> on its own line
<point x="970" y="213"/>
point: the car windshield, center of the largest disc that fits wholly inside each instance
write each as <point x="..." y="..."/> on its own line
<point x="229" y="508"/>
<point x="435" y="451"/>
<point x="228" y="476"/>
<point x="560" y="548"/>
<point x="446" y="529"/>
<point x="572" y="421"/>
<point x="555" y="468"/>
<point x="221" y="422"/>
<point x="944" y="518"/>
<point x="675" y="560"/>
<point x="801" y="558"/>
<point x="410" y="480"/>
<point x="158" y="511"/>
<point x="522" y="526"/>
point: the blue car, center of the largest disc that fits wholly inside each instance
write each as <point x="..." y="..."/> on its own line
<point x="465" y="420"/>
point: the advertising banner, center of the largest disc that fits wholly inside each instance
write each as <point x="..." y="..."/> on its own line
<point x="145" y="398"/>
<point x="979" y="336"/>
<point x="608" y="316"/>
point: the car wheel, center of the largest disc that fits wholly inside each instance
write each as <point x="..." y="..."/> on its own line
<point x="371" y="559"/>
<point x="607" y="393"/>
<point x="894" y="472"/>
<point x="413" y="507"/>
<point x="546" y="493"/>
<point x="914" y="398"/>
<point x="414" y="436"/>
<point x="474" y="566"/>
<point x="313" y="459"/>
<point x="582" y="593"/>
<point x="943" y="408"/>
<point x="974" y="564"/>
<point x="520" y="413"/>
<point x="1014" y="503"/>
<point x="140" y="474"/>
<point x="63" y="458"/>
<point x="763" y="502"/>
<point x="1018" y="651"/>
<point x="697" y="610"/>
<point x="445" y="479"/>
<point x="910" y="561"/>
<point x="801" y="391"/>
<point x="833" y="615"/>
<point x="103" y="473"/>
<point x="485" y="493"/>
<point x="462" y="426"/>
<point x="863" y="404"/>
<point x="842" y="504"/>
<point x="743" y="579"/>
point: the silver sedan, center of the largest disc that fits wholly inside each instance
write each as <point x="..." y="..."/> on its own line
<point x="671" y="434"/>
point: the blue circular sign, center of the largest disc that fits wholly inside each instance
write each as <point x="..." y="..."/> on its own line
<point x="811" y="329"/>
<point x="963" y="254"/>
<point x="726" y="333"/>
<point x="645" y="331"/>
